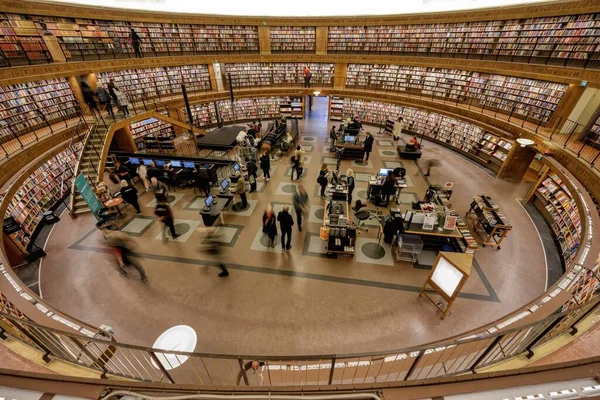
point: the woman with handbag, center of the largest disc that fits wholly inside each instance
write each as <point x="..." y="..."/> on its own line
<point x="322" y="179"/>
<point x="270" y="225"/>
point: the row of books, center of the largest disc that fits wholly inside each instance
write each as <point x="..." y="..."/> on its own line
<point x="151" y="127"/>
<point x="292" y="38"/>
<point x="268" y="74"/>
<point x="205" y="114"/>
<point x="160" y="81"/>
<point x="505" y="37"/>
<point x="561" y="206"/>
<point x="41" y="191"/>
<point x="28" y="106"/>
<point x="531" y="98"/>
<point x="455" y="133"/>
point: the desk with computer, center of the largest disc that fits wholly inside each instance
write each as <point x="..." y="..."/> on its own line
<point x="350" y="147"/>
<point x="214" y="206"/>
<point x="375" y="186"/>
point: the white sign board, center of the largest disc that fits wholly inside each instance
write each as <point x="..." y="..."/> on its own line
<point x="447" y="277"/>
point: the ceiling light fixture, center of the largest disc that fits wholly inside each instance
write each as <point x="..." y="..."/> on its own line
<point x="525" y="142"/>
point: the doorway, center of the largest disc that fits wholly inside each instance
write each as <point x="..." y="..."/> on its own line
<point x="316" y="107"/>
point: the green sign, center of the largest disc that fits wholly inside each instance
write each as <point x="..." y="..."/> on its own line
<point x="88" y="194"/>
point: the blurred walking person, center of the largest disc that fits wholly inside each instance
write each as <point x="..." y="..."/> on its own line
<point x="270" y="225"/>
<point x="300" y="201"/>
<point x="165" y="215"/>
<point x="122" y="248"/>
<point x="130" y="195"/>
<point x="214" y="247"/>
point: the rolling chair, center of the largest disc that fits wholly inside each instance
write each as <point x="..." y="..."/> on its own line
<point x="363" y="215"/>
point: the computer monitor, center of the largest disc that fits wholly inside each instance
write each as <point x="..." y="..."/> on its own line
<point x="134" y="160"/>
<point x="159" y="163"/>
<point x="236" y="167"/>
<point x="348" y="138"/>
<point x="176" y="163"/>
<point x="188" y="164"/>
<point x="147" y="162"/>
<point x="207" y="166"/>
<point x="384" y="172"/>
<point x="209" y="200"/>
<point x="224" y="184"/>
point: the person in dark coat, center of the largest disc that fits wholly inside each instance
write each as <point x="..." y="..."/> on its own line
<point x="351" y="183"/>
<point x="88" y="96"/>
<point x="368" y="145"/>
<point x="251" y="167"/>
<point x="285" y="224"/>
<point x="389" y="187"/>
<point x="270" y="225"/>
<point x="322" y="179"/>
<point x="104" y="99"/>
<point x="265" y="165"/>
<point x="165" y="215"/>
<point x="130" y="195"/>
<point x="203" y="181"/>
<point x="122" y="247"/>
<point x="111" y="90"/>
<point x="135" y="42"/>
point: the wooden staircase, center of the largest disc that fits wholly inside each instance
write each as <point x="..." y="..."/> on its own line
<point x="88" y="164"/>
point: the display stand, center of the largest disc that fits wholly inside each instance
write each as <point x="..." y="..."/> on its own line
<point x="448" y="276"/>
<point x="488" y="221"/>
<point x="341" y="233"/>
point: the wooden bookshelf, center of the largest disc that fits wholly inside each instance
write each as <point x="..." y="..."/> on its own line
<point x="42" y="191"/>
<point x="450" y="132"/>
<point x="204" y="114"/>
<point x="560" y="211"/>
<point x="145" y="132"/>
<point x="493" y="148"/>
<point x="160" y="81"/>
<point x="84" y="39"/>
<point x="293" y="39"/>
<point x="247" y="110"/>
<point x="569" y="40"/>
<point x="531" y="99"/>
<point x="26" y="107"/>
<point x="279" y="74"/>
<point x="21" y="42"/>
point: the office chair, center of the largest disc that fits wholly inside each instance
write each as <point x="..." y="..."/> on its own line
<point x="363" y="215"/>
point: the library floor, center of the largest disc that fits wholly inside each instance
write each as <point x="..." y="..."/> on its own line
<point x="301" y="302"/>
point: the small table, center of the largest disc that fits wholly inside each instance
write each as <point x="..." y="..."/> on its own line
<point x="115" y="202"/>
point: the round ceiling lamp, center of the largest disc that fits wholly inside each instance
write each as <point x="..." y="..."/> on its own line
<point x="525" y="142"/>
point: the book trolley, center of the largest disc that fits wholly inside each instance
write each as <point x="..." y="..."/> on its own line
<point x="488" y="221"/>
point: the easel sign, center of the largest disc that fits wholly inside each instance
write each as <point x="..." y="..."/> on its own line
<point x="448" y="276"/>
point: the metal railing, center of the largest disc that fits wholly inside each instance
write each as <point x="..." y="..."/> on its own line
<point x="27" y="52"/>
<point x="446" y="358"/>
<point x="576" y="138"/>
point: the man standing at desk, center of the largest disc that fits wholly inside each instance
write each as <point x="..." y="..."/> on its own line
<point x="240" y="188"/>
<point x="368" y="145"/>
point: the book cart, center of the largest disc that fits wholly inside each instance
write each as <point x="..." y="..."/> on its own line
<point x="488" y="221"/>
